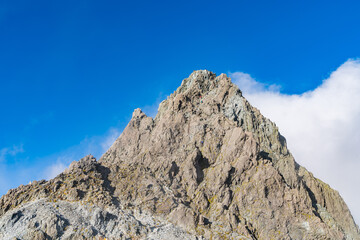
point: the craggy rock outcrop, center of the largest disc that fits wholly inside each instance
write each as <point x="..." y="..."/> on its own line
<point x="209" y="165"/>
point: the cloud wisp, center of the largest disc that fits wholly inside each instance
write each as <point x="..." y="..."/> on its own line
<point x="56" y="168"/>
<point x="152" y="110"/>
<point x="10" y="151"/>
<point x="50" y="166"/>
<point x="96" y="145"/>
<point x="321" y="126"/>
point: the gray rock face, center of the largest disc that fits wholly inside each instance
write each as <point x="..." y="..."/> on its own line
<point x="208" y="166"/>
<point x="41" y="219"/>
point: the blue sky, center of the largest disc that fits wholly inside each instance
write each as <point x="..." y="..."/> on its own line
<point x="72" y="72"/>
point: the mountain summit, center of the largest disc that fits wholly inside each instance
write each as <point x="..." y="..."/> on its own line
<point x="208" y="166"/>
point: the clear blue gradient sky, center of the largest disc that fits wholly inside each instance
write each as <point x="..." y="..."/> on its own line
<point x="72" y="72"/>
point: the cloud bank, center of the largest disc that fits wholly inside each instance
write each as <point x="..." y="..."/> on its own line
<point x="322" y="126"/>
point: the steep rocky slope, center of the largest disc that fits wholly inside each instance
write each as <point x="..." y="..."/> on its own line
<point x="208" y="166"/>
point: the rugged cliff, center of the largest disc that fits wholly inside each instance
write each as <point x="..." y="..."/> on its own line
<point x="208" y="166"/>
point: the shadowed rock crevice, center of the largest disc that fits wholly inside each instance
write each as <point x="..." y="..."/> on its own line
<point x="201" y="163"/>
<point x="107" y="183"/>
<point x="174" y="170"/>
<point x="314" y="202"/>
<point x="265" y="155"/>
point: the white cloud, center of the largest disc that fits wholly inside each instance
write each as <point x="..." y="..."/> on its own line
<point x="10" y="151"/>
<point x="249" y="85"/>
<point x="321" y="126"/>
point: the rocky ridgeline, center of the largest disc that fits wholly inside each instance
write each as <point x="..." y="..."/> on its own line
<point x="209" y="166"/>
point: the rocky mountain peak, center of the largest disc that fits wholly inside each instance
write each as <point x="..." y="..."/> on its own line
<point x="209" y="166"/>
<point x="199" y="81"/>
